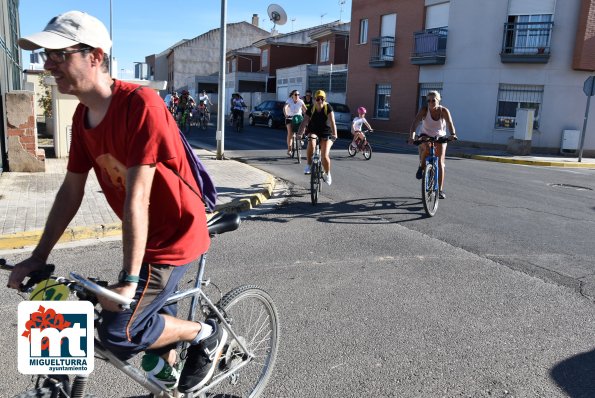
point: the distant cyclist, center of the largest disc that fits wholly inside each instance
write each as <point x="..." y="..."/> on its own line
<point x="308" y="100"/>
<point x="356" y="125"/>
<point x="185" y="102"/>
<point x="173" y="102"/>
<point x="315" y="121"/>
<point x="293" y="106"/>
<point x="204" y="98"/>
<point x="237" y="108"/>
<point x="434" y="119"/>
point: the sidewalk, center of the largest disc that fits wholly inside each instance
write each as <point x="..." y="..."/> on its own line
<point x="26" y="198"/>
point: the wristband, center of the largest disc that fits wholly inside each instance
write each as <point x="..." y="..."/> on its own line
<point x="125" y="277"/>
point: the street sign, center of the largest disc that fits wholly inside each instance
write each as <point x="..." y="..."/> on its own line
<point x="589" y="86"/>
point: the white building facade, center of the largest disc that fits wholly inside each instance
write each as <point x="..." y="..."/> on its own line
<point x="504" y="55"/>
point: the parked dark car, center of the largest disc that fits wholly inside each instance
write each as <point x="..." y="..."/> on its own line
<point x="269" y="113"/>
<point x="343" y="119"/>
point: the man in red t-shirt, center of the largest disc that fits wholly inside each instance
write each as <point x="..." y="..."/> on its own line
<point x="131" y="141"/>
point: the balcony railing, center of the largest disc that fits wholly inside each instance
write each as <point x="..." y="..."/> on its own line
<point x="429" y="47"/>
<point x="527" y="42"/>
<point x="382" y="51"/>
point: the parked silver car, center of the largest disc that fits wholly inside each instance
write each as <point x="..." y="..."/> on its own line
<point x="343" y="118"/>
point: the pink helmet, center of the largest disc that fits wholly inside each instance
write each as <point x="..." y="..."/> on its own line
<point x="361" y="109"/>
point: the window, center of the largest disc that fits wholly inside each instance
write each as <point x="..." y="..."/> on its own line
<point x="264" y="60"/>
<point x="424" y="89"/>
<point x="363" y="31"/>
<point x="234" y="65"/>
<point x="324" y="51"/>
<point x="382" y="107"/>
<point x="388" y="29"/>
<point x="531" y="33"/>
<point x="514" y="96"/>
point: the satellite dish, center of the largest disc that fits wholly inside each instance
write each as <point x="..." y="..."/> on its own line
<point x="277" y="14"/>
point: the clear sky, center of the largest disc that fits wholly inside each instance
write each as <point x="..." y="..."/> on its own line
<point x="145" y="27"/>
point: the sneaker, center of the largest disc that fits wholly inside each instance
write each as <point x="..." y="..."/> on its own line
<point x="327" y="178"/>
<point x="441" y="195"/>
<point x="419" y="173"/>
<point x="202" y="359"/>
<point x="307" y="169"/>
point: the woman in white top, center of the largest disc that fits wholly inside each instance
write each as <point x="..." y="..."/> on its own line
<point x="434" y="119"/>
<point x="293" y="106"/>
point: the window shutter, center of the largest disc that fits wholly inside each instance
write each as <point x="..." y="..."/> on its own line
<point x="437" y="15"/>
<point x="531" y="7"/>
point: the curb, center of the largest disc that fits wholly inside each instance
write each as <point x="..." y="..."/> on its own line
<point x="20" y="240"/>
<point x="245" y="204"/>
<point x="29" y="238"/>
<point x="526" y="162"/>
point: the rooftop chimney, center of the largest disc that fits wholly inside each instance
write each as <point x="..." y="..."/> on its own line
<point x="255" y="20"/>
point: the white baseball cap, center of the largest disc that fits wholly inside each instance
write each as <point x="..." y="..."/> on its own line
<point x="69" y="29"/>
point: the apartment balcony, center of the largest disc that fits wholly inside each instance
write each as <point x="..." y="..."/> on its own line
<point x="382" y="52"/>
<point x="526" y="42"/>
<point x="429" y="47"/>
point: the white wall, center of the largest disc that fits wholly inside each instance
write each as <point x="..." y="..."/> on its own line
<point x="473" y="72"/>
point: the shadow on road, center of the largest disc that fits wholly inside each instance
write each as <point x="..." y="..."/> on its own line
<point x="358" y="211"/>
<point x="576" y="375"/>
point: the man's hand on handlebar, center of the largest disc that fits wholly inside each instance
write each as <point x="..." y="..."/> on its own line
<point x="127" y="290"/>
<point x="22" y="270"/>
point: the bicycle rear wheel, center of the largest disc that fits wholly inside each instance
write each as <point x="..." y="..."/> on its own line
<point x="253" y="317"/>
<point x="367" y="150"/>
<point x="429" y="193"/>
<point x="315" y="183"/>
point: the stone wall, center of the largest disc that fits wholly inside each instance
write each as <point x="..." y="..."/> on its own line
<point x="23" y="154"/>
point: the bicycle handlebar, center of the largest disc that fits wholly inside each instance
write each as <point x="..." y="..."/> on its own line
<point x="78" y="284"/>
<point x="441" y="140"/>
<point x="314" y="137"/>
<point x="93" y="287"/>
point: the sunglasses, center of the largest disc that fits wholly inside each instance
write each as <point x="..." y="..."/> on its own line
<point x="319" y="98"/>
<point x="297" y="94"/>
<point x="432" y="100"/>
<point x="59" y="56"/>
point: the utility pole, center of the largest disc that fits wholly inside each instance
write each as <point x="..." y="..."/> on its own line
<point x="221" y="93"/>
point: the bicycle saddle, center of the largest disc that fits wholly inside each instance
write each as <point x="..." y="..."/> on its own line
<point x="223" y="222"/>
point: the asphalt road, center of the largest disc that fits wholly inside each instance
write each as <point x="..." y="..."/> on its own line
<point x="376" y="300"/>
<point x="375" y="310"/>
<point x="538" y="220"/>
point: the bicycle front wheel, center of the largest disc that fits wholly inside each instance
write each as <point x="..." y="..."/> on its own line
<point x="367" y="150"/>
<point x="314" y="183"/>
<point x="253" y="317"/>
<point x="297" y="144"/>
<point x="293" y="147"/>
<point x="351" y="149"/>
<point x="429" y="192"/>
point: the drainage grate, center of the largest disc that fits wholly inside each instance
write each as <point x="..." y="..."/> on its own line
<point x="577" y="187"/>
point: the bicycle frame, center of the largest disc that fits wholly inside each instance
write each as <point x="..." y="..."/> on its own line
<point x="433" y="159"/>
<point x="197" y="295"/>
<point x="89" y="289"/>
